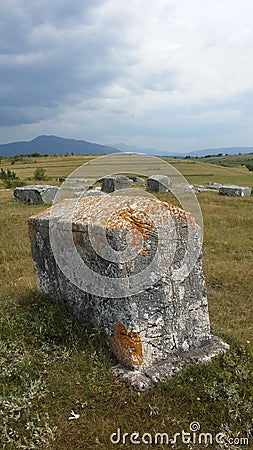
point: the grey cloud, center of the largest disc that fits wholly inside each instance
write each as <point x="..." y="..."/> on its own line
<point x="22" y="115"/>
<point x="108" y="67"/>
<point x="75" y="65"/>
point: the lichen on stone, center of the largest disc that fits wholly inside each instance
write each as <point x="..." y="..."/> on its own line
<point x="126" y="345"/>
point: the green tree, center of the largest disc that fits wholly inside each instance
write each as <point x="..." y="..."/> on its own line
<point x="40" y="174"/>
<point x="10" y="179"/>
<point x="7" y="174"/>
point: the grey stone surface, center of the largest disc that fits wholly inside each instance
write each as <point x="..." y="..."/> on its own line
<point x="137" y="179"/>
<point x="236" y="191"/>
<point x="111" y="184"/>
<point x="94" y="193"/>
<point x="76" y="180"/>
<point x="36" y="194"/>
<point x="158" y="183"/>
<point x="155" y="332"/>
<point x="69" y="191"/>
<point x="213" y="185"/>
<point x="200" y="190"/>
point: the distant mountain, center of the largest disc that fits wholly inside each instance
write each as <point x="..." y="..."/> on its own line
<point x="196" y="153"/>
<point x="149" y="151"/>
<point x="133" y="149"/>
<point x="217" y="151"/>
<point x="54" y="145"/>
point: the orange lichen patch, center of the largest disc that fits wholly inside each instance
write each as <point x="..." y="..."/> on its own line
<point x="179" y="214"/>
<point x="140" y="214"/>
<point x="126" y="345"/>
<point x="183" y="218"/>
<point x="135" y="210"/>
<point x="136" y="220"/>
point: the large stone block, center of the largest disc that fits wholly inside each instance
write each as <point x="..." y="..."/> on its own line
<point x="235" y="191"/>
<point x="36" y="194"/>
<point x="158" y="183"/>
<point x="111" y="184"/>
<point x="156" y="318"/>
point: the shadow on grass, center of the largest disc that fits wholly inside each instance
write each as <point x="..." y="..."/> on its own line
<point x="39" y="320"/>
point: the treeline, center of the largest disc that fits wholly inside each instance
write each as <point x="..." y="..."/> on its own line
<point x="22" y="156"/>
<point x="28" y="155"/>
<point x="219" y="155"/>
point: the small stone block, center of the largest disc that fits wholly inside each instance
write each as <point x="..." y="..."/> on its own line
<point x="36" y="194"/>
<point x="235" y="191"/>
<point x="158" y="183"/>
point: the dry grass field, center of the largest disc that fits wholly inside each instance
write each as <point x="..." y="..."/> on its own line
<point x="51" y="365"/>
<point x="198" y="172"/>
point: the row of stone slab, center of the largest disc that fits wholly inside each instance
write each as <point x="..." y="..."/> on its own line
<point x="155" y="183"/>
<point x="44" y="194"/>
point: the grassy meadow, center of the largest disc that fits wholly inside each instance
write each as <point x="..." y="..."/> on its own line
<point x="195" y="171"/>
<point x="51" y="365"/>
<point x="230" y="160"/>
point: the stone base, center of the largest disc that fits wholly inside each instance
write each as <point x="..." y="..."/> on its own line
<point x="145" y="377"/>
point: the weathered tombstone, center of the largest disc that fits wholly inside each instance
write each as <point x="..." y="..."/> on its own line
<point x="158" y="183"/>
<point x="156" y="318"/>
<point x="36" y="194"/>
<point x="111" y="184"/>
<point x="235" y="191"/>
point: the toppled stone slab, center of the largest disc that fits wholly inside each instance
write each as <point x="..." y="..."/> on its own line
<point x="76" y="180"/>
<point x="157" y="322"/>
<point x="70" y="191"/>
<point x="236" y="191"/>
<point x="137" y="179"/>
<point x="158" y="183"/>
<point x="92" y="193"/>
<point x="213" y="185"/>
<point x="185" y="187"/>
<point x="200" y="190"/>
<point x="36" y="194"/>
<point x="111" y="184"/>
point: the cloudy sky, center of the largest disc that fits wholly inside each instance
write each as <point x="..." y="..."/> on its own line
<point x="168" y="74"/>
